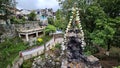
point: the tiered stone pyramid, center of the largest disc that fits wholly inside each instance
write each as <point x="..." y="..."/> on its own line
<point x="73" y="45"/>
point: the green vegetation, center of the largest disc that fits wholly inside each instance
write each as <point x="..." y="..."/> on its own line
<point x="40" y="40"/>
<point x="17" y="20"/>
<point x="101" y="29"/>
<point x="45" y="39"/>
<point x="58" y="46"/>
<point x="89" y="50"/>
<point x="9" y="50"/>
<point x="100" y="20"/>
<point x="28" y="63"/>
<point x="51" y="21"/>
<point x="50" y="29"/>
<point x="60" y="22"/>
<point x="32" y="16"/>
<point x="111" y="7"/>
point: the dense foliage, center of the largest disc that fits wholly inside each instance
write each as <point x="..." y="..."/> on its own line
<point x="50" y="29"/>
<point x="44" y="39"/>
<point x="100" y="28"/>
<point x="59" y="22"/>
<point x="16" y="20"/>
<point x="27" y="63"/>
<point x="111" y="7"/>
<point x="9" y="50"/>
<point x="100" y="20"/>
<point x="32" y="16"/>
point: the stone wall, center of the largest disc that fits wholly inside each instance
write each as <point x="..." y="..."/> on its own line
<point x="8" y="31"/>
<point x="27" y="25"/>
<point x="34" y="52"/>
<point x="11" y="29"/>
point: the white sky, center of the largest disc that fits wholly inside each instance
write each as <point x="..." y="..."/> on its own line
<point x="37" y="4"/>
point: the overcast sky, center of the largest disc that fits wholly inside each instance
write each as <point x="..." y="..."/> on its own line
<point x="37" y="4"/>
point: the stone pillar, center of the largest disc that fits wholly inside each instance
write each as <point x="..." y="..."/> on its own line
<point x="19" y="35"/>
<point x="36" y="34"/>
<point x="27" y="38"/>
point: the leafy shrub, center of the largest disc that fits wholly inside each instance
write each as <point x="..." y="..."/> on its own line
<point x="27" y="63"/>
<point x="50" y="28"/>
<point x="32" y="16"/>
<point x="88" y="53"/>
<point x="42" y="40"/>
<point x="17" y="20"/>
<point x="9" y="50"/>
<point x="90" y="50"/>
<point x="58" y="46"/>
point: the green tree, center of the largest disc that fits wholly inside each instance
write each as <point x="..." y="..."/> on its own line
<point x="99" y="27"/>
<point x="99" y="19"/>
<point x="58" y="14"/>
<point x="60" y="22"/>
<point x="116" y="37"/>
<point x="50" y="21"/>
<point x="50" y="28"/>
<point x="32" y="16"/>
<point x="111" y="7"/>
